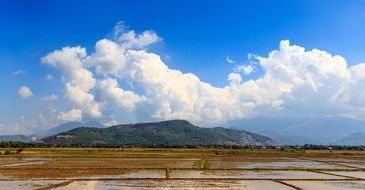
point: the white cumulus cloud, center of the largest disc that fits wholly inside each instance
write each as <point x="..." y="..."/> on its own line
<point x="245" y="69"/>
<point x="72" y="115"/>
<point x="234" y="78"/>
<point x="78" y="80"/>
<point x="121" y="75"/>
<point x="109" y="91"/>
<point x="129" y="39"/>
<point x="25" y="92"/>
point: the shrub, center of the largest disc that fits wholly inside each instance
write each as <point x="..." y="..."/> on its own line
<point x="19" y="150"/>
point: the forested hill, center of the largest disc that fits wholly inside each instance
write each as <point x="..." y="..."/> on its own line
<point x="172" y="132"/>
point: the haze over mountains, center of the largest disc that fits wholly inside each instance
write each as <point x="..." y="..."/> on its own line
<point x="300" y="131"/>
<point x="355" y="139"/>
<point x="52" y="131"/>
<point x="66" y="127"/>
<point x="21" y="138"/>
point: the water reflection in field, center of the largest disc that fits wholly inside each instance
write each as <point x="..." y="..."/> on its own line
<point x="27" y="184"/>
<point x="276" y="165"/>
<point x="354" y="174"/>
<point x="328" y="185"/>
<point x="106" y="169"/>
<point x="250" y="174"/>
<point x="137" y="174"/>
<point x="175" y="184"/>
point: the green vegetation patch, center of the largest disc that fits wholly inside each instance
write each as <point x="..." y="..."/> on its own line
<point x="202" y="164"/>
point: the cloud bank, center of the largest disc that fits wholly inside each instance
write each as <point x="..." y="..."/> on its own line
<point x="122" y="79"/>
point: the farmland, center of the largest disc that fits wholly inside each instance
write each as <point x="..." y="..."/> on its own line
<point x="91" y="168"/>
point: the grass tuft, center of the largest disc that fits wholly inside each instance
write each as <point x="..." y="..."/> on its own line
<point x="202" y="164"/>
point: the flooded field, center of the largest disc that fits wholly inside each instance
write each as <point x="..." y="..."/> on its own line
<point x="232" y="174"/>
<point x="332" y="185"/>
<point x="295" y="164"/>
<point x="176" y="184"/>
<point x="182" y="169"/>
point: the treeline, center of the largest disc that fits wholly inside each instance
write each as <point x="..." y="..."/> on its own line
<point x="80" y="145"/>
<point x="13" y="145"/>
<point x="18" y="144"/>
<point x="331" y="147"/>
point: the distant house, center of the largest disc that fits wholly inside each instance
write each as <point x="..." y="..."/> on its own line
<point x="66" y="136"/>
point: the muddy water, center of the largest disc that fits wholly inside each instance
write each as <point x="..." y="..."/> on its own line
<point x="328" y="185"/>
<point x="23" y="164"/>
<point x="131" y="175"/>
<point x="183" y="179"/>
<point x="276" y="165"/>
<point x="250" y="174"/>
<point x="347" y="160"/>
<point x="13" y="162"/>
<point x="122" y="163"/>
<point x="27" y="184"/>
<point x="175" y="184"/>
<point x="355" y="174"/>
<point x="353" y="164"/>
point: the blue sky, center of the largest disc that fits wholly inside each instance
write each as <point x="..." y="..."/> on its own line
<point x="197" y="37"/>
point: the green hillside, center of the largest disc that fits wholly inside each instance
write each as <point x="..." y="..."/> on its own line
<point x="173" y="132"/>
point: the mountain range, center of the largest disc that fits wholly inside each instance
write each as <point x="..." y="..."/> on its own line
<point x="294" y="131"/>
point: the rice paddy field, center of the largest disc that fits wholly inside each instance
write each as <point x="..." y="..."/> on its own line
<point x="72" y="168"/>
